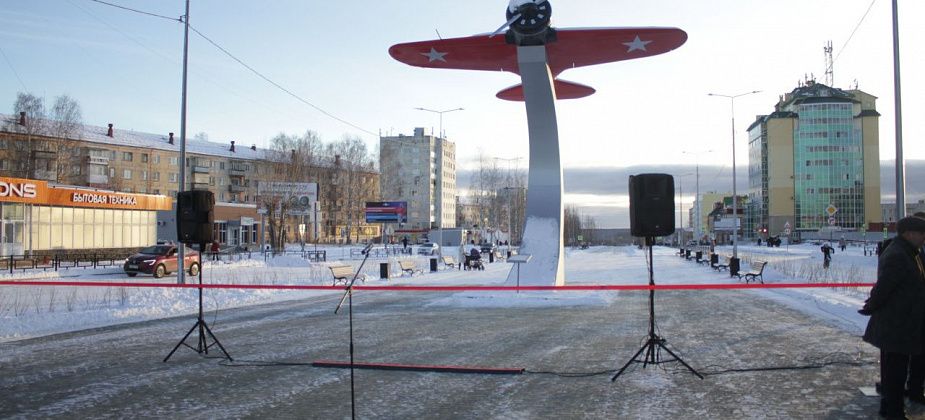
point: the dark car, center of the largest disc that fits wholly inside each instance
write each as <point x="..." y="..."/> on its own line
<point x="160" y="260"/>
<point x="487" y="248"/>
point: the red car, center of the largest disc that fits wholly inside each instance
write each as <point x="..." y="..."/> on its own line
<point x="160" y="260"/>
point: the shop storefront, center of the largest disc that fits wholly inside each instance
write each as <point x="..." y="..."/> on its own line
<point x="36" y="217"/>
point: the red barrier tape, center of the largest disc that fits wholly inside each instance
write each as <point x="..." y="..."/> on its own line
<point x="712" y="286"/>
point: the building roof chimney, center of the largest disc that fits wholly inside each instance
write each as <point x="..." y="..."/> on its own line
<point x="109" y="132"/>
<point x="22" y="118"/>
<point x="170" y="139"/>
<point x="232" y="146"/>
<point x="253" y="147"/>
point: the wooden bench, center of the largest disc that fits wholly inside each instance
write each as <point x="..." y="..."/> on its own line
<point x="724" y="265"/>
<point x="342" y="272"/>
<point x="409" y="267"/>
<point x="450" y="261"/>
<point x="754" y="273"/>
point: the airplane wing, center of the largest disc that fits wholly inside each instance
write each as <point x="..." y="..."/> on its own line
<point x="585" y="47"/>
<point x="470" y="53"/>
<point x="573" y="48"/>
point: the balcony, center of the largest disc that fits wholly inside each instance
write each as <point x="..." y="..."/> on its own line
<point x="237" y="172"/>
<point x="45" y="175"/>
<point x="236" y="188"/>
<point x="200" y="169"/>
<point x="97" y="160"/>
<point x="40" y="154"/>
<point x="97" y="179"/>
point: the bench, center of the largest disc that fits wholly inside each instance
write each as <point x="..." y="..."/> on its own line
<point x="724" y="265"/>
<point x="450" y="261"/>
<point x="409" y="267"/>
<point x="754" y="273"/>
<point x="342" y="272"/>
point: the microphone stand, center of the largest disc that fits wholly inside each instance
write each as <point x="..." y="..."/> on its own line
<point x="348" y="294"/>
<point x="654" y="343"/>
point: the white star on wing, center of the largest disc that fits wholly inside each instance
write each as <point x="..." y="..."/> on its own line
<point x="434" y="55"/>
<point x="636" y="44"/>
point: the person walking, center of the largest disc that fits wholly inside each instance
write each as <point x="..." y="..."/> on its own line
<point x="215" y="248"/>
<point x="404" y="242"/>
<point x="897" y="318"/>
<point x="842" y="244"/>
<point x="826" y="255"/>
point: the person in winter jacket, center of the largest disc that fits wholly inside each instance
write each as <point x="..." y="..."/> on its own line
<point x="897" y="318"/>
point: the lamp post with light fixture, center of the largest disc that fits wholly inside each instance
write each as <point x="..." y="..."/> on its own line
<point x="735" y="207"/>
<point x="440" y="150"/>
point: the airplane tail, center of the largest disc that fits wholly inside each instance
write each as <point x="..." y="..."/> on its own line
<point x="564" y="90"/>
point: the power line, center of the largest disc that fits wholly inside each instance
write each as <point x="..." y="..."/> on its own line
<point x="9" y="63"/>
<point x="280" y="87"/>
<point x="842" y="49"/>
<point x="138" y="11"/>
<point x="245" y="65"/>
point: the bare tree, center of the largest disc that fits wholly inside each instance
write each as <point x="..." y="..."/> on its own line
<point x="354" y="169"/>
<point x="66" y="118"/>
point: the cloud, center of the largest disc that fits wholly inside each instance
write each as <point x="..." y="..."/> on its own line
<point x="602" y="193"/>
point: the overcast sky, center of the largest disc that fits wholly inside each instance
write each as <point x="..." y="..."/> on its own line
<point x="124" y="68"/>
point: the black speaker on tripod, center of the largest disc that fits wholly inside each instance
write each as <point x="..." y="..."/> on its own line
<point x="651" y="205"/>
<point x="195" y="216"/>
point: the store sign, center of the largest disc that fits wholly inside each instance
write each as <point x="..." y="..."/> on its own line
<point x="17" y="189"/>
<point x="93" y="198"/>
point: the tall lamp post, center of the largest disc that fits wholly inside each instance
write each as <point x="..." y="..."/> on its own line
<point x="698" y="227"/>
<point x="735" y="206"/>
<point x="440" y="147"/>
<point x="681" y="210"/>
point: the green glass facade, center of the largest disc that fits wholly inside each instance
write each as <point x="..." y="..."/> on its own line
<point x="828" y="164"/>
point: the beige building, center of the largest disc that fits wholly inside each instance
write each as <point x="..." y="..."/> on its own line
<point x="420" y="169"/>
<point x="108" y="158"/>
<point x="814" y="162"/>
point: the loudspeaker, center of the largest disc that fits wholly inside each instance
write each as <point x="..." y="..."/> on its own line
<point x="195" y="216"/>
<point x="651" y="205"/>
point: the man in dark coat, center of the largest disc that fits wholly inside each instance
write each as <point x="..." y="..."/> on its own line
<point x="897" y="318"/>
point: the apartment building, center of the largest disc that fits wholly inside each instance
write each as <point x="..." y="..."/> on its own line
<point x="420" y="169"/>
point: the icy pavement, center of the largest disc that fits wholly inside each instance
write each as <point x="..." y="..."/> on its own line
<point x="764" y="354"/>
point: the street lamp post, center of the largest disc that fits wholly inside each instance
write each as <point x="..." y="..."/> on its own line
<point x="698" y="228"/>
<point x="440" y="150"/>
<point x="680" y="228"/>
<point x="735" y="207"/>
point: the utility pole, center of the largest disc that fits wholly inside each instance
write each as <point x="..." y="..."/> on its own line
<point x="181" y="279"/>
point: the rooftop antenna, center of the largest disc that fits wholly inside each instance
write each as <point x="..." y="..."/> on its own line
<point x="829" y="65"/>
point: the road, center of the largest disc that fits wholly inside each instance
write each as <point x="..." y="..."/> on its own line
<point x="118" y="372"/>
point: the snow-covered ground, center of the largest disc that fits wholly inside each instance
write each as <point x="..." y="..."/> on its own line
<point x="29" y="311"/>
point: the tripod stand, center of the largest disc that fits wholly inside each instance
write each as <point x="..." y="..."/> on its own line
<point x="654" y="344"/>
<point x="348" y="294"/>
<point x="202" y="346"/>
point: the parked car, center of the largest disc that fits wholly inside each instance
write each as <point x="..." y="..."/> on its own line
<point x="428" y="249"/>
<point x="487" y="248"/>
<point x="160" y="260"/>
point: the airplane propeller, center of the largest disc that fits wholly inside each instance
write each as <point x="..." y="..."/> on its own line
<point x="526" y="16"/>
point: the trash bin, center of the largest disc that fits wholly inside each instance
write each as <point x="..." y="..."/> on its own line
<point x="733" y="267"/>
<point x="433" y="265"/>
<point x="491" y="256"/>
<point x="698" y="255"/>
<point x="384" y="270"/>
<point x="714" y="259"/>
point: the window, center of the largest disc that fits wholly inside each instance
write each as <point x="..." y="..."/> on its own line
<point x="127" y="156"/>
<point x="157" y="159"/>
<point x="174" y="160"/>
<point x="173" y="177"/>
<point x="112" y="172"/>
<point x="144" y="158"/>
<point x="156" y="176"/>
<point x="126" y="174"/>
<point x="144" y="175"/>
<point x="221" y="165"/>
<point x="211" y="180"/>
<point x="156" y="191"/>
<point x="75" y="169"/>
<point x="4" y="164"/>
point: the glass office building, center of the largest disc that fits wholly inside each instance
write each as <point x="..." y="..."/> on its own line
<point x="818" y="152"/>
